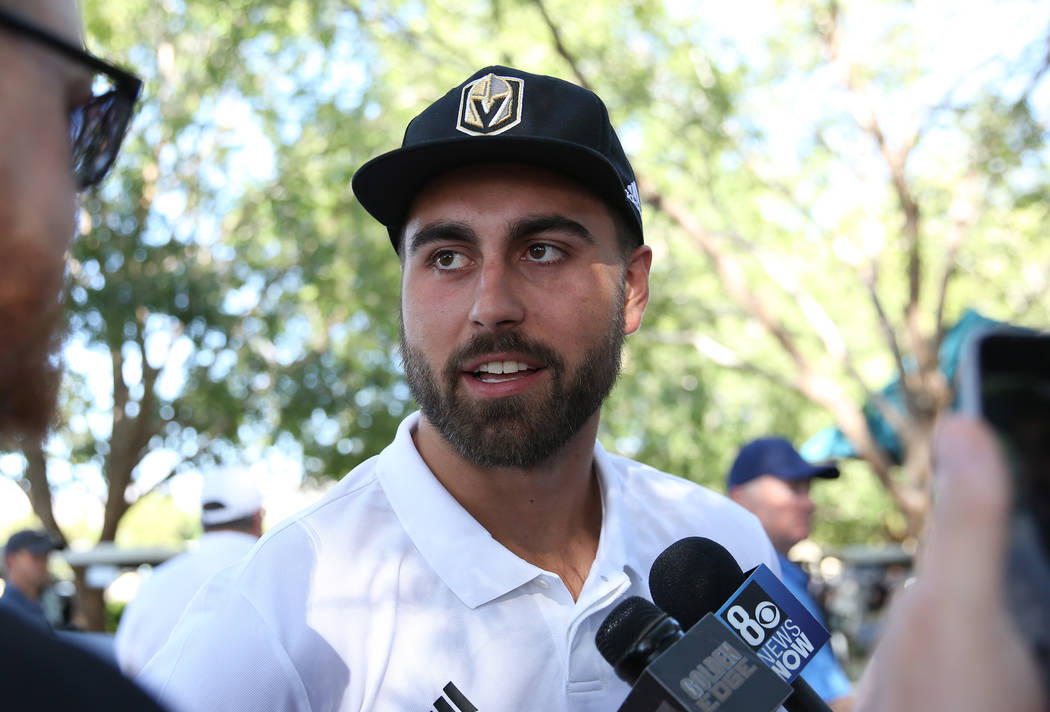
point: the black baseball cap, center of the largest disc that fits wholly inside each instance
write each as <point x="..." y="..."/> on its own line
<point x="37" y="542"/>
<point x="774" y="456"/>
<point x="505" y="115"/>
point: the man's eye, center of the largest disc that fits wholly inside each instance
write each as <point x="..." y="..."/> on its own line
<point x="448" y="259"/>
<point x="543" y="253"/>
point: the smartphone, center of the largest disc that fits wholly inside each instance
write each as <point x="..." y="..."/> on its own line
<point x="1004" y="378"/>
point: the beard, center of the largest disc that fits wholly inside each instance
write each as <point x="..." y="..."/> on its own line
<point x="31" y="335"/>
<point x="521" y="430"/>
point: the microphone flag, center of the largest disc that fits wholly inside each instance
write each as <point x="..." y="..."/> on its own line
<point x="777" y="626"/>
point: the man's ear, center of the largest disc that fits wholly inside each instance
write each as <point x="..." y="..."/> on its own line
<point x="739" y="494"/>
<point x="636" y="287"/>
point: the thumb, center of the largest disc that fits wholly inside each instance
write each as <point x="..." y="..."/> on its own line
<point x="971" y="506"/>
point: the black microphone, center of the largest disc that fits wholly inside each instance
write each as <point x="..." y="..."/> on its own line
<point x="706" y="669"/>
<point x="695" y="577"/>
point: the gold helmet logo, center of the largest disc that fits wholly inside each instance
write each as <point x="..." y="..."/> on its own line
<point x="490" y="105"/>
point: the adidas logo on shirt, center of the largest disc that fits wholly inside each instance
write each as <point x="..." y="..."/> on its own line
<point x="453" y="701"/>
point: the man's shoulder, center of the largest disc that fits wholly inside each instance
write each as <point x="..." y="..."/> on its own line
<point x="642" y="480"/>
<point x="14" y="601"/>
<point x="346" y="513"/>
<point x="358" y="489"/>
<point x="661" y="508"/>
<point x="12" y="597"/>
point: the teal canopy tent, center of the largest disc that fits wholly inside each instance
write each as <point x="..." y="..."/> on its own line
<point x="831" y="444"/>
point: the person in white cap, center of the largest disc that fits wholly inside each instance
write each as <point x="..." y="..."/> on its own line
<point x="232" y="514"/>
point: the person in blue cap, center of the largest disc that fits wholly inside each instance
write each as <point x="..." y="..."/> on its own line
<point x="770" y="479"/>
<point x="25" y="564"/>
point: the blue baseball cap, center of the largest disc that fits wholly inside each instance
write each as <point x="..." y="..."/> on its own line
<point x="37" y="542"/>
<point x="776" y="457"/>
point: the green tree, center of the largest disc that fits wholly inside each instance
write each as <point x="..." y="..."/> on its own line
<point x="822" y="209"/>
<point x="819" y="215"/>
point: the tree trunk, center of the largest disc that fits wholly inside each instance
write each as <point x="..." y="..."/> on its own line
<point x="90" y="606"/>
<point x="39" y="490"/>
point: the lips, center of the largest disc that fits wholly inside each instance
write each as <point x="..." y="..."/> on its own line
<point x="500" y="371"/>
<point x="503" y="364"/>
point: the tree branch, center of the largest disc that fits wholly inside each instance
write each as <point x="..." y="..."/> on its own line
<point x="896" y="160"/>
<point x="728" y="267"/>
<point x="1037" y="77"/>
<point x="724" y="356"/>
<point x="963" y="213"/>
<point x="39" y="488"/>
<point x="559" y="46"/>
<point x="817" y="388"/>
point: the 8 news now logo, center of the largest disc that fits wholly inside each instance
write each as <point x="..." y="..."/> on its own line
<point x="780" y="630"/>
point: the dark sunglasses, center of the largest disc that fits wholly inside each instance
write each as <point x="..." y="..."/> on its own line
<point x="96" y="127"/>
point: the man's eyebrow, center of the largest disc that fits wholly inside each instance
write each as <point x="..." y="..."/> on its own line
<point x="534" y="224"/>
<point x="441" y="230"/>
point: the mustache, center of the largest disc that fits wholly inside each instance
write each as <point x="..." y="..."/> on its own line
<point x="505" y="341"/>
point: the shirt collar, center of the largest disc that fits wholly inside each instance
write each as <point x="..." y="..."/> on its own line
<point x="616" y="547"/>
<point x="790" y="572"/>
<point x="476" y="567"/>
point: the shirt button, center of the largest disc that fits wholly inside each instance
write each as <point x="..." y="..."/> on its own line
<point x="543" y="583"/>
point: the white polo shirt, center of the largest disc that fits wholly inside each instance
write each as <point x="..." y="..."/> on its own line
<point x="161" y="599"/>
<point x="388" y="595"/>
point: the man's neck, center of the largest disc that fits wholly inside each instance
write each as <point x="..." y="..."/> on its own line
<point x="549" y="515"/>
<point x="26" y="589"/>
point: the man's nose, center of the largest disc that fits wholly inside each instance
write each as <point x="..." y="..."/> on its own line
<point x="807" y="503"/>
<point x="497" y="302"/>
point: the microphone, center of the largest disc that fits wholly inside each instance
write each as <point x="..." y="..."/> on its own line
<point x="706" y="669"/>
<point x="696" y="576"/>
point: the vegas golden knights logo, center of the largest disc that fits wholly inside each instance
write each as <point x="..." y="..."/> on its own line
<point x="490" y="105"/>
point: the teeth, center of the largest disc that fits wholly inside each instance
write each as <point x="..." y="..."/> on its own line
<point x="502" y="367"/>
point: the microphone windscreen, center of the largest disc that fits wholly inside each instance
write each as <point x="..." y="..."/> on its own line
<point x="693" y="577"/>
<point x="624" y="625"/>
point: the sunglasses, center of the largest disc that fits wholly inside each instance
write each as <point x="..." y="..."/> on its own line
<point x="97" y="126"/>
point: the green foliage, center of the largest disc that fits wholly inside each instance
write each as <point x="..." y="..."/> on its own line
<point x="248" y="303"/>
<point x="155" y="521"/>
<point x="114" y="610"/>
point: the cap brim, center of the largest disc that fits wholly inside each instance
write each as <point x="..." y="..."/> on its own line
<point x="387" y="184"/>
<point x="828" y="472"/>
<point x="36" y="547"/>
<point x="41" y="548"/>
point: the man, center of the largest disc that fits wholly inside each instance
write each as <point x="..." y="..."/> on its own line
<point x="232" y="514"/>
<point x="469" y="565"/>
<point x="25" y="562"/>
<point x="57" y="138"/>
<point x="50" y="121"/>
<point x="770" y="479"/>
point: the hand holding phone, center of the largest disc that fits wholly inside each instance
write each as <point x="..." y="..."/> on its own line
<point x="951" y="641"/>
<point x="1005" y="381"/>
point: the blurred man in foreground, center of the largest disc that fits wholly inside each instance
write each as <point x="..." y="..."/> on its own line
<point x="25" y="563"/>
<point x="232" y="516"/>
<point x="770" y="479"/>
<point x="950" y="641"/>
<point x="57" y="138"/>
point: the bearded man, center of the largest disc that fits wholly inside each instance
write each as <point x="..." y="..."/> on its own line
<point x="63" y="113"/>
<point x="469" y="565"/>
